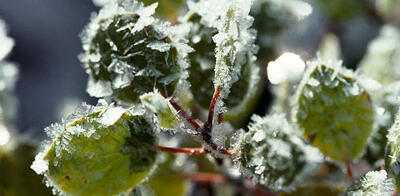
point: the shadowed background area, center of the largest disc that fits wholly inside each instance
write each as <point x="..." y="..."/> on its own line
<point x="46" y="50"/>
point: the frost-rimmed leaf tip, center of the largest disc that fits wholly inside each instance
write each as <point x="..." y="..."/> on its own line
<point x="334" y="110"/>
<point x="274" y="154"/>
<point x="372" y="184"/>
<point x="98" y="150"/>
<point x="128" y="52"/>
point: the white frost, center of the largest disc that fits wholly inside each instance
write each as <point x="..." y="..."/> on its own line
<point x="288" y="66"/>
<point x="40" y="165"/>
<point x="6" y="43"/>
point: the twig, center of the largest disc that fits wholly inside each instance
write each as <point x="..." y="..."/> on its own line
<point x="206" y="177"/>
<point x="184" y="114"/>
<point x="189" y="151"/>
<point x="212" y="106"/>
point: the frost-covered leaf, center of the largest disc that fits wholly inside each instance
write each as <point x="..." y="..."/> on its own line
<point x="203" y="26"/>
<point x="274" y="154"/>
<point x="372" y="184"/>
<point x="382" y="59"/>
<point x="156" y="103"/>
<point x="98" y="150"/>
<point x="280" y="14"/>
<point x="334" y="110"/>
<point x="128" y="52"/>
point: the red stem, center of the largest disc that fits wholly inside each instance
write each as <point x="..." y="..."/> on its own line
<point x="212" y="105"/>
<point x="349" y="171"/>
<point x="184" y="114"/>
<point x="189" y="151"/>
<point x="206" y="177"/>
<point x="220" y="118"/>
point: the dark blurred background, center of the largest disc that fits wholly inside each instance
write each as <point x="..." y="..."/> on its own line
<point x="47" y="45"/>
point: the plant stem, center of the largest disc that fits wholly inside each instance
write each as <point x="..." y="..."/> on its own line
<point x="184" y="114"/>
<point x="189" y="151"/>
<point x="206" y="177"/>
<point x="349" y="171"/>
<point x="212" y="106"/>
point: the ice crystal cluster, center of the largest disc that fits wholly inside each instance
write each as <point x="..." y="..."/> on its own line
<point x="335" y="111"/>
<point x="98" y="150"/>
<point x="371" y="184"/>
<point x="275" y="155"/>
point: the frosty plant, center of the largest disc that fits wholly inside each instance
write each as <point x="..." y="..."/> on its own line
<point x="169" y="91"/>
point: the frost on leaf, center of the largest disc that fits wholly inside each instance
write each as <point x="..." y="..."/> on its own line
<point x="371" y="184"/>
<point x="204" y="20"/>
<point x="382" y="59"/>
<point x="288" y="67"/>
<point x="160" y="106"/>
<point x="274" y="154"/>
<point x="392" y="155"/>
<point x="128" y="52"/>
<point x="334" y="110"/>
<point x="98" y="150"/>
<point x="280" y="15"/>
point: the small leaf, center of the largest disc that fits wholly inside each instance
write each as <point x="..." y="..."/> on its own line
<point x="156" y="103"/>
<point x="128" y="53"/>
<point x="101" y="150"/>
<point x="335" y="111"/>
<point x="273" y="153"/>
<point x="371" y="184"/>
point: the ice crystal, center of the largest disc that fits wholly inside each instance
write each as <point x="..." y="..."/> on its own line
<point x="98" y="150"/>
<point x="371" y="184"/>
<point x="128" y="52"/>
<point x="274" y="154"/>
<point x="334" y="110"/>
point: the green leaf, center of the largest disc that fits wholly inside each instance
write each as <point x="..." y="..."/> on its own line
<point x="102" y="150"/>
<point x="128" y="53"/>
<point x="371" y="184"/>
<point x="341" y="10"/>
<point x="335" y="111"/>
<point x="273" y="153"/>
<point x="167" y="8"/>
